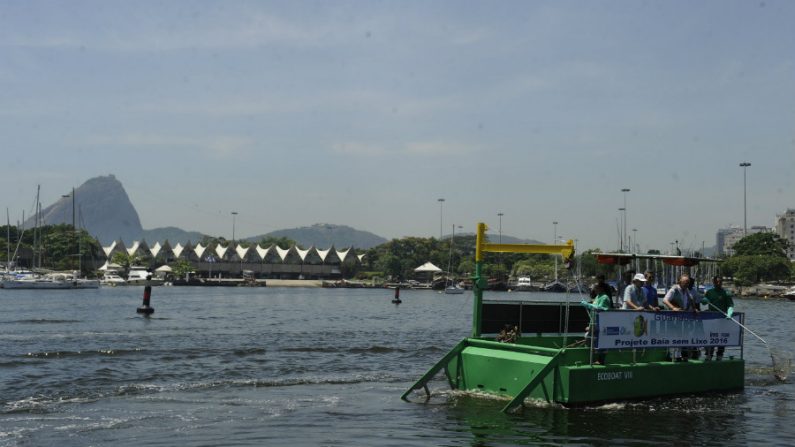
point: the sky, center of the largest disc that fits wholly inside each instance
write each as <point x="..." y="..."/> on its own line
<point x="366" y="113"/>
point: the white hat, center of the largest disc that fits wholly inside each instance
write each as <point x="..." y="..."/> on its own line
<point x="639" y="277"/>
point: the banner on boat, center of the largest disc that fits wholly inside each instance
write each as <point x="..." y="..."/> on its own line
<point x="631" y="329"/>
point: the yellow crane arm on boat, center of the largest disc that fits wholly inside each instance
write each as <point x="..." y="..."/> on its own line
<point x="567" y="250"/>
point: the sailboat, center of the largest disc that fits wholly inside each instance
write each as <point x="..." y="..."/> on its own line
<point x="453" y="288"/>
<point x="49" y="280"/>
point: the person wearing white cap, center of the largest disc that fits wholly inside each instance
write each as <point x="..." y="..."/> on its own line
<point x="634" y="297"/>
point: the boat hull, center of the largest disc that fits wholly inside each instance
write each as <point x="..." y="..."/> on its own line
<point x="51" y="285"/>
<point x="567" y="377"/>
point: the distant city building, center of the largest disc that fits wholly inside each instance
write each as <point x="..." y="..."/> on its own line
<point x="727" y="237"/>
<point x="785" y="229"/>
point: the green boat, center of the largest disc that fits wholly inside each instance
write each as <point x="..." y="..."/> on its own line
<point x="550" y="358"/>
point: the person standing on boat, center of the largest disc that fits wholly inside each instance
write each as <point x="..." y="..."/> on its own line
<point x="720" y="299"/>
<point x="679" y="298"/>
<point x="651" y="291"/>
<point x="608" y="289"/>
<point x="626" y="281"/>
<point x="602" y="301"/>
<point x="634" y="295"/>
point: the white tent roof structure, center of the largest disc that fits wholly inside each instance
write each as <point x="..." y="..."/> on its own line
<point x="241" y="251"/>
<point x="177" y="250"/>
<point x="427" y="267"/>
<point x="262" y="252"/>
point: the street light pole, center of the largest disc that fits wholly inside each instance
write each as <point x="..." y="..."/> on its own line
<point x="500" y="216"/>
<point x="499" y="255"/>
<point x="745" y="165"/>
<point x="626" y="235"/>
<point x="635" y="239"/>
<point x="234" y="215"/>
<point x="621" y="230"/>
<point x="554" y="242"/>
<point x="441" y="215"/>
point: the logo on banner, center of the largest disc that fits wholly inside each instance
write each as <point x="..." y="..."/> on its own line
<point x="641" y="326"/>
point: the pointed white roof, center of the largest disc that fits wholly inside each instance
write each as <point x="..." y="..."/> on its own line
<point x="241" y="251"/>
<point x="109" y="248"/>
<point x="199" y="250"/>
<point x="323" y="254"/>
<point x="282" y="252"/>
<point x="177" y="250"/>
<point x="343" y="254"/>
<point x="131" y="251"/>
<point x="262" y="252"/>
<point x="302" y="253"/>
<point x="155" y="249"/>
<point x="220" y="251"/>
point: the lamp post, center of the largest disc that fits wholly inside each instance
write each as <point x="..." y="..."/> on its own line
<point x="745" y="165"/>
<point x="441" y="219"/>
<point x="555" y="241"/>
<point x="621" y="230"/>
<point x="555" y="226"/>
<point x="234" y="215"/>
<point x="499" y="255"/>
<point x="635" y="239"/>
<point x="626" y="235"/>
<point x="500" y="216"/>
<point x="74" y="227"/>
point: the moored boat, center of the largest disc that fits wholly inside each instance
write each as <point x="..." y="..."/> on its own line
<point x="454" y="289"/>
<point x="112" y="279"/>
<point x="624" y="353"/>
<point x="141" y="276"/>
<point x="51" y="281"/>
<point x="524" y="284"/>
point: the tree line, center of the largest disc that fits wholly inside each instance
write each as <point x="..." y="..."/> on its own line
<point x="758" y="257"/>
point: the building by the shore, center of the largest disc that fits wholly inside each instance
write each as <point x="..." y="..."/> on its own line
<point x="263" y="262"/>
<point x="785" y="229"/>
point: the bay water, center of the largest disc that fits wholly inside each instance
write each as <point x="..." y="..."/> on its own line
<point x="319" y="367"/>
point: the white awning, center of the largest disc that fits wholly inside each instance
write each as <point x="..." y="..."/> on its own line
<point x="427" y="267"/>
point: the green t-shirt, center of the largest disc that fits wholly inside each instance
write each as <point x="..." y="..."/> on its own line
<point x="720" y="299"/>
<point x="602" y="302"/>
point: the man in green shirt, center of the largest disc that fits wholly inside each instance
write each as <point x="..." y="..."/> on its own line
<point x="718" y="298"/>
<point x="602" y="301"/>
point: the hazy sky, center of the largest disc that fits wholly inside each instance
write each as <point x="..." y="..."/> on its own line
<point x="365" y="113"/>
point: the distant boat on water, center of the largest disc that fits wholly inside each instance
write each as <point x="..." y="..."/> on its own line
<point x="140" y="276"/>
<point x="524" y="284"/>
<point x="50" y="281"/>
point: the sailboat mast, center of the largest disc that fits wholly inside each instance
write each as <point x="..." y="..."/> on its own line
<point x="36" y="226"/>
<point x="8" y="239"/>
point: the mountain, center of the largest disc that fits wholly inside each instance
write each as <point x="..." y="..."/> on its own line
<point x="101" y="206"/>
<point x="323" y="235"/>
<point x="173" y="235"/>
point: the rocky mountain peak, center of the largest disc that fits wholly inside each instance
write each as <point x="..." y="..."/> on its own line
<point x="101" y="206"/>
